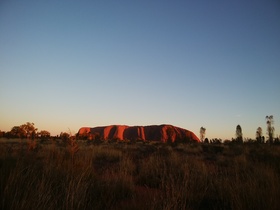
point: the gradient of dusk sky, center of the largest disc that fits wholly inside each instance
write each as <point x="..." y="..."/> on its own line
<point x="66" y="64"/>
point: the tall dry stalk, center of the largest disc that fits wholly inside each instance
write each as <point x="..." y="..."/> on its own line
<point x="73" y="146"/>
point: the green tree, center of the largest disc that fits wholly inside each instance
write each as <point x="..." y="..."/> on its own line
<point x="202" y="133"/>
<point x="26" y="130"/>
<point x="259" y="135"/>
<point x="64" y="136"/>
<point x="44" y="134"/>
<point x="270" y="128"/>
<point x="17" y="132"/>
<point x="29" y="130"/>
<point x="239" y="135"/>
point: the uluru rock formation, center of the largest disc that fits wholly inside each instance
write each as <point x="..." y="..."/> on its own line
<point x="162" y="133"/>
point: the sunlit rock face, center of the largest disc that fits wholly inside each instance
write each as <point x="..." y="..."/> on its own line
<point x="161" y="133"/>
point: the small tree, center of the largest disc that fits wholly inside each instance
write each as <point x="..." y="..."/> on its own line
<point x="44" y="134"/>
<point x="29" y="130"/>
<point x="17" y="132"/>
<point x="259" y="135"/>
<point x="64" y="136"/>
<point x="270" y="128"/>
<point x="202" y="133"/>
<point x="239" y="135"/>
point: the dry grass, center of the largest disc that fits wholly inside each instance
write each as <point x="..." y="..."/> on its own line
<point x="138" y="176"/>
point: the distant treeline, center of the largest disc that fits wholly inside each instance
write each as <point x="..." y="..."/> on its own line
<point x="29" y="131"/>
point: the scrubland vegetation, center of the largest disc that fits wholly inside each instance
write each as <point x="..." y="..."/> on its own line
<point x="57" y="174"/>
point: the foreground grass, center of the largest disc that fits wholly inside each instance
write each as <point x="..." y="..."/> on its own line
<point x="139" y="176"/>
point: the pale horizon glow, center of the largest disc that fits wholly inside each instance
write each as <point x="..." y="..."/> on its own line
<point x="71" y="64"/>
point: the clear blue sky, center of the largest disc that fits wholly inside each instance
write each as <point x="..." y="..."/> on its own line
<point x="67" y="64"/>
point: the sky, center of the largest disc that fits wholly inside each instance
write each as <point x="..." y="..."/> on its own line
<point x="68" y="64"/>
